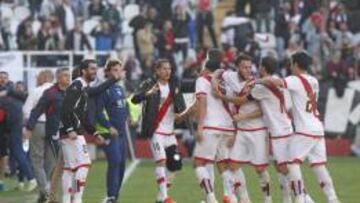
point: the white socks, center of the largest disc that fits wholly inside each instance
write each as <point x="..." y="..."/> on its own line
<point x="297" y="183"/>
<point x="265" y="185"/>
<point x="160" y="173"/>
<point x="240" y="184"/>
<point x="80" y="181"/>
<point x="210" y="169"/>
<point x="285" y="188"/>
<point x="325" y="181"/>
<point x="228" y="183"/>
<point x="73" y="185"/>
<point x="205" y="183"/>
<point x="67" y="185"/>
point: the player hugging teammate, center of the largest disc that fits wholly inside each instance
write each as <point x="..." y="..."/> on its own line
<point x="258" y="106"/>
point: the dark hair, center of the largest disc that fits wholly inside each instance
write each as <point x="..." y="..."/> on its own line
<point x="85" y="63"/>
<point x="302" y="59"/>
<point x="160" y="62"/>
<point x="212" y="65"/>
<point x="4" y="72"/>
<point x="60" y="70"/>
<point x="111" y="63"/>
<point x="76" y="72"/>
<point x="270" y="64"/>
<point x="242" y="57"/>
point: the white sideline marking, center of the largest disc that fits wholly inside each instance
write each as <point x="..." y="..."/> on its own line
<point x="129" y="170"/>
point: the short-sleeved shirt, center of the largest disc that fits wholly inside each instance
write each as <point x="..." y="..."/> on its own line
<point x="305" y="121"/>
<point x="236" y="85"/>
<point x="216" y="118"/>
<point x="275" y="118"/>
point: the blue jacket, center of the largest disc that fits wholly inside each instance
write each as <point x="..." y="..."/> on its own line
<point x="112" y="109"/>
<point x="49" y="103"/>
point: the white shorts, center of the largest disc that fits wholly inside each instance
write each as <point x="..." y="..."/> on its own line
<point x="75" y="153"/>
<point x="251" y="147"/>
<point x="213" y="146"/>
<point x="280" y="147"/>
<point x="159" y="143"/>
<point x="305" y="147"/>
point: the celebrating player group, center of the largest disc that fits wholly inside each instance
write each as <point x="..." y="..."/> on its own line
<point x="238" y="118"/>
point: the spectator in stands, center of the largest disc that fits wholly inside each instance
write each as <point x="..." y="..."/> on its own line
<point x="35" y="6"/>
<point x="181" y="30"/>
<point x="261" y="9"/>
<point x="104" y="39"/>
<point x="344" y="39"/>
<point x="153" y="18"/>
<point x="282" y="31"/>
<point x="48" y="8"/>
<point x="26" y="39"/>
<point x="5" y="35"/>
<point x="112" y="16"/>
<point x="205" y="18"/>
<point x="96" y="8"/>
<point x="133" y="70"/>
<point x="145" y="41"/>
<point x="66" y="16"/>
<point x="336" y="66"/>
<point x="339" y="14"/>
<point x="79" y="7"/>
<point x="47" y="38"/>
<point x="76" y="39"/>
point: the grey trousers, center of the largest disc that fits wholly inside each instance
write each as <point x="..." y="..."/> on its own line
<point x="42" y="157"/>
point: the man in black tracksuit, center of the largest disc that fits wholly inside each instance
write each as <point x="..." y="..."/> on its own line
<point x="74" y="123"/>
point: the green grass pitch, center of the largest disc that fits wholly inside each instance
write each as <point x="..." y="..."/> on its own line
<point x="141" y="186"/>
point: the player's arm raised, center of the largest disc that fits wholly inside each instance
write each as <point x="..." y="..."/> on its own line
<point x="270" y="81"/>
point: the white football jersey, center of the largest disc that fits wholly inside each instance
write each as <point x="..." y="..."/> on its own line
<point x="166" y="126"/>
<point x="275" y="113"/>
<point x="305" y="121"/>
<point x="216" y="118"/>
<point x="236" y="85"/>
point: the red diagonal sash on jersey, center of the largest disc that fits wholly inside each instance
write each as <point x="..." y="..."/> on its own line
<point x="163" y="109"/>
<point x="310" y="94"/>
<point x="278" y="94"/>
<point x="226" y="106"/>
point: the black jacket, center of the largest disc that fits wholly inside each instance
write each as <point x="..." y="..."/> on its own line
<point x="74" y="115"/>
<point x="70" y="43"/>
<point x="151" y="104"/>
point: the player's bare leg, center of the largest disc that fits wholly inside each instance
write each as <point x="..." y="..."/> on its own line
<point x="264" y="182"/>
<point x="227" y="178"/>
<point x="204" y="179"/>
<point x="326" y="183"/>
<point x="240" y="187"/>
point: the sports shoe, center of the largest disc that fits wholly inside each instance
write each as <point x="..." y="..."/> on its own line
<point x="42" y="198"/>
<point x="244" y="200"/>
<point x="169" y="200"/>
<point x="110" y="200"/>
<point x="20" y="186"/>
<point x="31" y="185"/>
<point x="228" y="199"/>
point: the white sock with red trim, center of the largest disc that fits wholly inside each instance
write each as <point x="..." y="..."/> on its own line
<point x="296" y="182"/>
<point x="240" y="184"/>
<point x="160" y="173"/>
<point x="203" y="177"/>
<point x="285" y="187"/>
<point x="210" y="168"/>
<point x="325" y="181"/>
<point x="265" y="185"/>
<point x="80" y="181"/>
<point x="67" y="185"/>
<point x="227" y="183"/>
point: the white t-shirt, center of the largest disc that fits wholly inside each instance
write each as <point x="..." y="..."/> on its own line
<point x="166" y="125"/>
<point x="305" y="121"/>
<point x="236" y="85"/>
<point x="216" y="118"/>
<point x="275" y="118"/>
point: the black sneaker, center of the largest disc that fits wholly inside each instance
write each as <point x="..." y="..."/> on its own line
<point x="42" y="198"/>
